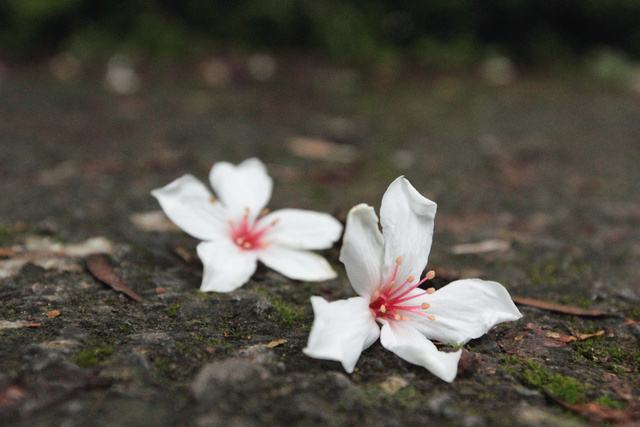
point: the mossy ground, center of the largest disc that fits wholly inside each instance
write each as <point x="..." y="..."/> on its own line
<point x="514" y="163"/>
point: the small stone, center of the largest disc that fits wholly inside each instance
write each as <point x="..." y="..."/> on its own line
<point x="263" y="306"/>
<point x="469" y="363"/>
<point x="393" y="384"/>
<point x="223" y="383"/>
<point x="5" y="324"/>
<point x="74" y="333"/>
<point x="260" y="354"/>
<point x="262" y="67"/>
<point x="146" y="338"/>
<point x="194" y="310"/>
<point x="488" y="347"/>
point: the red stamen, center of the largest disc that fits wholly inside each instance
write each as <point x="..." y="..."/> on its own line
<point x="249" y="236"/>
<point x="386" y="304"/>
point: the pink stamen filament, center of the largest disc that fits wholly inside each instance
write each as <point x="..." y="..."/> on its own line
<point x="385" y="305"/>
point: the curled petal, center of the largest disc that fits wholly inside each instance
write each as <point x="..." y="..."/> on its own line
<point x="362" y="250"/>
<point x="407" y="226"/>
<point x="466" y="309"/>
<point x="302" y="229"/>
<point x="226" y="267"/>
<point x="405" y="341"/>
<point x="341" y="330"/>
<point x="246" y="186"/>
<point x="188" y="203"/>
<point x="296" y="264"/>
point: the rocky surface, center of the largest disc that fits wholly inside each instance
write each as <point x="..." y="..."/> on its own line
<point x="537" y="185"/>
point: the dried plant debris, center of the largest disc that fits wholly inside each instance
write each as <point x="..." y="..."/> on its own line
<point x="322" y="149"/>
<point x="100" y="268"/>
<point x="51" y="255"/>
<point x="153" y="221"/>
<point x="276" y="343"/>
<point x="481" y="247"/>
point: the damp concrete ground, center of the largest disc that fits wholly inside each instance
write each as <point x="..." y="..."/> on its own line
<point x="537" y="184"/>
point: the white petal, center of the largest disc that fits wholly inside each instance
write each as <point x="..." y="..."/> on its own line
<point x="240" y="187"/>
<point x="402" y="339"/>
<point x="466" y="309"/>
<point x="296" y="264"/>
<point x="407" y="226"/>
<point x="362" y="250"/>
<point x="341" y="330"/>
<point x="187" y="202"/>
<point x="302" y="229"/>
<point x="226" y="266"/>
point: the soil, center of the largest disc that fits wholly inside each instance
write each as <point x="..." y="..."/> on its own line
<point x="540" y="175"/>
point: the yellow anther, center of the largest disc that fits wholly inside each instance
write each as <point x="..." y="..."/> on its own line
<point x="383" y="309"/>
<point x="247" y="245"/>
<point x="405" y="318"/>
<point x="410" y="278"/>
<point x="239" y="241"/>
<point x="376" y="294"/>
<point x="246" y="212"/>
<point x="430" y="275"/>
<point x="399" y="260"/>
<point x="212" y="199"/>
<point x="397" y="317"/>
<point x="264" y="211"/>
<point x="425" y="305"/>
<point x="392" y="284"/>
<point x="275" y="221"/>
<point x="431" y="290"/>
<point x="431" y="317"/>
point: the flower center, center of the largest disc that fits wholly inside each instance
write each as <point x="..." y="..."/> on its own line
<point x="394" y="302"/>
<point x="249" y="236"/>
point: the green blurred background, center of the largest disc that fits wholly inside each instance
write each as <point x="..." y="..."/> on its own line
<point x="448" y="33"/>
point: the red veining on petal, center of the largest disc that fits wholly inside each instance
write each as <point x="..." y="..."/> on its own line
<point x="250" y="236"/>
<point x="385" y="304"/>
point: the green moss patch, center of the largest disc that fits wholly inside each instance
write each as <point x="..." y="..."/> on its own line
<point x="531" y="373"/>
<point x="608" y="402"/>
<point x="91" y="356"/>
<point x="612" y="357"/>
<point x="289" y="316"/>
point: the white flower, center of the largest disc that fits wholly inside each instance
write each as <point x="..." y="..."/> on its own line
<point x="237" y="231"/>
<point x="384" y="270"/>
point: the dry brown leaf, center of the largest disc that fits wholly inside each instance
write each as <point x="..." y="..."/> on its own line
<point x="7" y="252"/>
<point x="53" y="314"/>
<point x="568" y="338"/>
<point x="628" y="321"/>
<point x="33" y="325"/>
<point x="585" y="336"/>
<point x="273" y="344"/>
<point x="100" y="268"/>
<point x="559" y="308"/>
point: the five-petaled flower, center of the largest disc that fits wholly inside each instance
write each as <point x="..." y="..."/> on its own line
<point x="237" y="230"/>
<point x="384" y="270"/>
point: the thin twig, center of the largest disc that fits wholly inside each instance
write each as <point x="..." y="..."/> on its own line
<point x="559" y="308"/>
